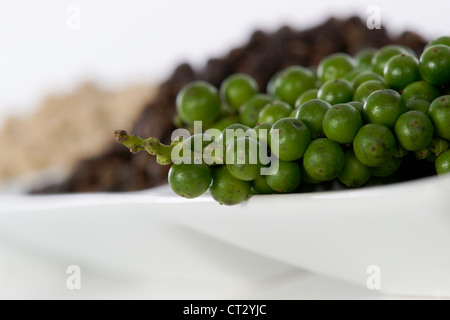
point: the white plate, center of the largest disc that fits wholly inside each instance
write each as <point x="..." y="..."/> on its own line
<point x="404" y="229"/>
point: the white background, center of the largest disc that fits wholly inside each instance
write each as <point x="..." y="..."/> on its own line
<point x="126" y="41"/>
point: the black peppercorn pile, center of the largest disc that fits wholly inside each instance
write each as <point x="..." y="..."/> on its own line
<point x="264" y="54"/>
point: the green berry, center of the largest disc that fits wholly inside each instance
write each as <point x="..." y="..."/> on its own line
<point x="420" y="90"/>
<point x="350" y="76"/>
<point x="292" y="82"/>
<point x="227" y="189"/>
<point x="443" y="163"/>
<point x="335" y="66"/>
<point x="249" y="111"/>
<point x="226" y="111"/>
<point x="341" y="123"/>
<point x="306" y="96"/>
<point x="358" y="105"/>
<point x="287" y="178"/>
<point x="311" y="113"/>
<point x="439" y="113"/>
<point x="263" y="132"/>
<point x="306" y="177"/>
<point x="401" y="70"/>
<point x="366" y="76"/>
<point x="366" y="89"/>
<point x="418" y="105"/>
<point x="435" y="65"/>
<point x="414" y="130"/>
<point x="270" y="89"/>
<point x="354" y="173"/>
<point x="274" y="111"/>
<point x="231" y="133"/>
<point x="242" y="159"/>
<point x="260" y="186"/>
<point x="336" y="91"/>
<point x="196" y="138"/>
<point x="388" y="168"/>
<point x="445" y="40"/>
<point x="364" y="58"/>
<point x="324" y="159"/>
<point x="198" y="101"/>
<point x="382" y="56"/>
<point x="238" y="89"/>
<point x="223" y="123"/>
<point x="189" y="180"/>
<point x="384" y="107"/>
<point x="289" y="143"/>
<point x="374" y="144"/>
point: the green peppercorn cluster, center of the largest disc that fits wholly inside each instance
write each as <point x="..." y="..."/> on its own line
<point x="349" y="119"/>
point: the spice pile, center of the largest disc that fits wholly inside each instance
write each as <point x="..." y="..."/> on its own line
<point x="67" y="128"/>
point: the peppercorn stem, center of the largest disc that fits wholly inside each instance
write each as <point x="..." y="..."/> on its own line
<point x="152" y="145"/>
<point x="163" y="152"/>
